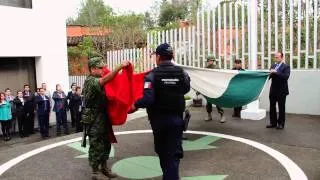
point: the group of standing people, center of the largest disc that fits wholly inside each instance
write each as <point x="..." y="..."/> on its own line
<point x="279" y="74"/>
<point x="17" y="110"/>
<point x="21" y="110"/>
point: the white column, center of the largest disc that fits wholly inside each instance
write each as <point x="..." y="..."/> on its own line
<point x="253" y="112"/>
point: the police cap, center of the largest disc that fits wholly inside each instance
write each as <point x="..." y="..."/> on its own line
<point x="164" y="50"/>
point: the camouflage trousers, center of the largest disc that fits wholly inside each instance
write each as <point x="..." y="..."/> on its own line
<point x="99" y="149"/>
<point x="209" y="109"/>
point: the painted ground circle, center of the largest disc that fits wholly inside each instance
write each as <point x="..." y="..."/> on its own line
<point x="123" y="161"/>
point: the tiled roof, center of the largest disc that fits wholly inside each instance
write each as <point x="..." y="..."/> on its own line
<point x="80" y="31"/>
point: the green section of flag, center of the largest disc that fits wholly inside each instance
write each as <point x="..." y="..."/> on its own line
<point x="244" y="88"/>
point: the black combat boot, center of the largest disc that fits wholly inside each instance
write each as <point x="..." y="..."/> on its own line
<point x="97" y="175"/>
<point x="106" y="171"/>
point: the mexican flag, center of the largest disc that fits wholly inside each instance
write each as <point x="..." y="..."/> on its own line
<point x="227" y="88"/>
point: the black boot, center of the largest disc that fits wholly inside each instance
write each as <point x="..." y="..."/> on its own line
<point x="8" y="137"/>
<point x="97" y="175"/>
<point x="106" y="171"/>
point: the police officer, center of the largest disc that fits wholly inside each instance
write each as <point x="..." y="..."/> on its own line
<point x="211" y="60"/>
<point x="96" y="117"/>
<point x="163" y="96"/>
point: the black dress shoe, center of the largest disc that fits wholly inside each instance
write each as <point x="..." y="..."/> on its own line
<point x="271" y="126"/>
<point x="280" y="126"/>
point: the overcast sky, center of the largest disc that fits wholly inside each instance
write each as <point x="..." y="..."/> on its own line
<point x="138" y="6"/>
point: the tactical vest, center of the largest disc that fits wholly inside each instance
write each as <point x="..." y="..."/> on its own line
<point x="168" y="87"/>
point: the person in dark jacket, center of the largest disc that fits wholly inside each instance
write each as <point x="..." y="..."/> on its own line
<point x="29" y="108"/>
<point x="60" y="107"/>
<point x="163" y="96"/>
<point x="77" y="109"/>
<point x="21" y="115"/>
<point x="237" y="66"/>
<point x="43" y="111"/>
<point x="72" y="105"/>
<point x="279" y="74"/>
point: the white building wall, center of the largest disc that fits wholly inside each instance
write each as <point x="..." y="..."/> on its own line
<point x="38" y="32"/>
<point x="304" y="93"/>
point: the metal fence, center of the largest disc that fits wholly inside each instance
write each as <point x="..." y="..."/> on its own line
<point x="289" y="26"/>
<point x="79" y="80"/>
<point x="140" y="58"/>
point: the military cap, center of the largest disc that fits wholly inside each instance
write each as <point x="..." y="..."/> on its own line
<point x="211" y="58"/>
<point x="164" y="50"/>
<point x="95" y="62"/>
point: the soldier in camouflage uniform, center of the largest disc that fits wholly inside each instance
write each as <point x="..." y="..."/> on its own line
<point x="96" y="117"/>
<point x="211" y="60"/>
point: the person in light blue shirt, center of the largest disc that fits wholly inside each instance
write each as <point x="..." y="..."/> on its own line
<point x="5" y="116"/>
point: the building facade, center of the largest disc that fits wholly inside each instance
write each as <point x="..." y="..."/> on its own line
<point x="33" y="44"/>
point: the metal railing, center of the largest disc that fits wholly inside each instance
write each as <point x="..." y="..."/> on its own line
<point x="288" y="26"/>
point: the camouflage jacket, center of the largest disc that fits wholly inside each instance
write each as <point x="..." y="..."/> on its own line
<point x="94" y="99"/>
<point x="212" y="66"/>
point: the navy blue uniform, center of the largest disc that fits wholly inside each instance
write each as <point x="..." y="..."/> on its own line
<point x="167" y="125"/>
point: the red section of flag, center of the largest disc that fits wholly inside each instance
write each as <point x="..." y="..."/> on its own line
<point x="122" y="92"/>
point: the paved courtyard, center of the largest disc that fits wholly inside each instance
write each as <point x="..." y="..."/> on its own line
<point x="209" y="153"/>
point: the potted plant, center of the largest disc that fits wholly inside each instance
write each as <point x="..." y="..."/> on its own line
<point x="188" y="100"/>
<point x="197" y="101"/>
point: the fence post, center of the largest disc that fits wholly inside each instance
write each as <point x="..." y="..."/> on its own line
<point x="253" y="112"/>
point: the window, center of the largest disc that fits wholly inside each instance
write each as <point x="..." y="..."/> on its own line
<point x="17" y="3"/>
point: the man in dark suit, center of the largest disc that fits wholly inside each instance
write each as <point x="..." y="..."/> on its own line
<point x="279" y="90"/>
<point x="21" y="116"/>
<point x="29" y="108"/>
<point x="43" y="112"/>
<point x="72" y="104"/>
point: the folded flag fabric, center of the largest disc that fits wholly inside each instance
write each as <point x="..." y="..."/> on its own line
<point x="122" y="92"/>
<point x="227" y="88"/>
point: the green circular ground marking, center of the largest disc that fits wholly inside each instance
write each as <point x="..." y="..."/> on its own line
<point x="139" y="167"/>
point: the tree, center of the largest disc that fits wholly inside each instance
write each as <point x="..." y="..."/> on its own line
<point x="92" y="12"/>
<point x="170" y="13"/>
<point x="78" y="56"/>
<point x="127" y="31"/>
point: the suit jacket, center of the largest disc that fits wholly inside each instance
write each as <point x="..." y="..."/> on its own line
<point x="70" y="97"/>
<point x="60" y="104"/>
<point x="279" y="85"/>
<point x="43" y="105"/>
<point x="19" y="106"/>
<point x="77" y="103"/>
<point x="29" y="101"/>
<point x="238" y="69"/>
